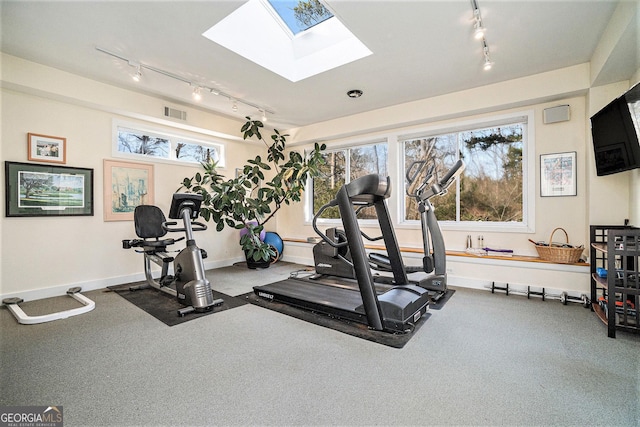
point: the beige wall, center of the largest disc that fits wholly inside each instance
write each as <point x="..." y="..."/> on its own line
<point x="550" y="212"/>
<point x="569" y="213"/>
<point x="612" y="197"/>
<point x="52" y="254"/>
<point x="44" y="256"/>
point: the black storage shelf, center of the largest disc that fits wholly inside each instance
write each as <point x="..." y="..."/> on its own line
<point x="616" y="298"/>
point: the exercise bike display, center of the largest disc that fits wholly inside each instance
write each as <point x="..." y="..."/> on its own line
<point x="188" y="282"/>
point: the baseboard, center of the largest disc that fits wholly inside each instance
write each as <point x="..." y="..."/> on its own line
<point x="455" y="281"/>
<point x="92" y="285"/>
<point x="302" y="260"/>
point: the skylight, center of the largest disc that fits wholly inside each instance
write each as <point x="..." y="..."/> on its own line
<point x="256" y="32"/>
<point x="292" y="14"/>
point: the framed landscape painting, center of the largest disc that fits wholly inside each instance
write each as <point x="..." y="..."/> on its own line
<point x="47" y="190"/>
<point x="45" y="148"/>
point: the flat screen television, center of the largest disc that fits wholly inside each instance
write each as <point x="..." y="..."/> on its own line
<point x="616" y="133"/>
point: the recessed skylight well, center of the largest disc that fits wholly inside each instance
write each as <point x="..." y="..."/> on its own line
<point x="256" y="32"/>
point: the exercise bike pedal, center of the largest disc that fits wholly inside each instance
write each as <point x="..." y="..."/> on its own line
<point x="166" y="280"/>
<point x="204" y="253"/>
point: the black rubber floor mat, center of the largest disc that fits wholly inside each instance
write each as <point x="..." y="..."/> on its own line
<point x="165" y="308"/>
<point x="442" y="301"/>
<point x="398" y="340"/>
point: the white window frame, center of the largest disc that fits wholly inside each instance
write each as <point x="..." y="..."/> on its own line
<point x="528" y="176"/>
<point x="172" y="137"/>
<point x="308" y="203"/>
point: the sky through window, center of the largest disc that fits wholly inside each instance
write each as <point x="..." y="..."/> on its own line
<point x="285" y="9"/>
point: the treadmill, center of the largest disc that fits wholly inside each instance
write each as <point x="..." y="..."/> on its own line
<point x="332" y="261"/>
<point x="397" y="309"/>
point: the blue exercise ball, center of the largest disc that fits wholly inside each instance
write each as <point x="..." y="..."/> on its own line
<point x="274" y="240"/>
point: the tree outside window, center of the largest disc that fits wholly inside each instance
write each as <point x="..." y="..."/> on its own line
<point x="491" y="187"/>
<point x="341" y="167"/>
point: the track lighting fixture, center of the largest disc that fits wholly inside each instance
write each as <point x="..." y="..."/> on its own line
<point x="197" y="88"/>
<point x="478" y="29"/>
<point x="196" y="94"/>
<point x="487" y="62"/>
<point x="264" y="116"/>
<point x="479" y="32"/>
<point x="137" y="76"/>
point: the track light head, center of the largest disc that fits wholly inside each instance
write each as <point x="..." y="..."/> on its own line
<point x="137" y="75"/>
<point x="479" y="31"/>
<point x="196" y="94"/>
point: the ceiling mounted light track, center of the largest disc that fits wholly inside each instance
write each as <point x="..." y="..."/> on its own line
<point x="479" y="32"/>
<point x="197" y="88"/>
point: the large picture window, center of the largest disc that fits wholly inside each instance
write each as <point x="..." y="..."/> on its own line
<point x="491" y="190"/>
<point x="342" y="166"/>
<point x="148" y="144"/>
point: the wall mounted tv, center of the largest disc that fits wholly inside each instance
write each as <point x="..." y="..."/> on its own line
<point x="616" y="133"/>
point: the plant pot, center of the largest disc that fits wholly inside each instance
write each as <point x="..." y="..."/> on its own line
<point x="253" y="264"/>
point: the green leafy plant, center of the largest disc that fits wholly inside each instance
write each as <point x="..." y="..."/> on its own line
<point x="242" y="202"/>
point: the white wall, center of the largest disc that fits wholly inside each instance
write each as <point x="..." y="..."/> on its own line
<point x="51" y="254"/>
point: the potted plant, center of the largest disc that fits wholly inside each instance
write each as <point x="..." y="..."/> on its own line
<point x="242" y="202"/>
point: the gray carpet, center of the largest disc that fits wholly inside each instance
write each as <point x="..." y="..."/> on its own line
<point x="484" y="359"/>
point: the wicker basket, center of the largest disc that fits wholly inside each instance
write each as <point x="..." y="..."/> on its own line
<point x="557" y="253"/>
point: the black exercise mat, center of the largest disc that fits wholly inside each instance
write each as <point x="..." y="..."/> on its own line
<point x="442" y="301"/>
<point x="165" y="308"/>
<point x="351" y="328"/>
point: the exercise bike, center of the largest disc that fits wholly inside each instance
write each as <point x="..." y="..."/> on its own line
<point x="188" y="282"/>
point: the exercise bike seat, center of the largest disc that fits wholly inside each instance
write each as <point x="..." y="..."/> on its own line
<point x="148" y="220"/>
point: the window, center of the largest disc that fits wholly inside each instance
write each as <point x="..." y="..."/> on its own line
<point x="153" y="145"/>
<point x="342" y="166"/>
<point x="299" y="15"/>
<point x="492" y="188"/>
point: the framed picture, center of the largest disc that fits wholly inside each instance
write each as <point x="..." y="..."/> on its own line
<point x="45" y="148"/>
<point x="47" y="190"/>
<point x="126" y="185"/>
<point x="558" y="175"/>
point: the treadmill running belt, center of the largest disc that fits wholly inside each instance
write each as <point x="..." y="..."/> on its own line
<point x="332" y="300"/>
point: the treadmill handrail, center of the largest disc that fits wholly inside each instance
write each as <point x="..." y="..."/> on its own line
<point x="326" y="238"/>
<point x="323" y="236"/>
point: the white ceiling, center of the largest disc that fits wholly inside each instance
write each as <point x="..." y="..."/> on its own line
<point x="420" y="49"/>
